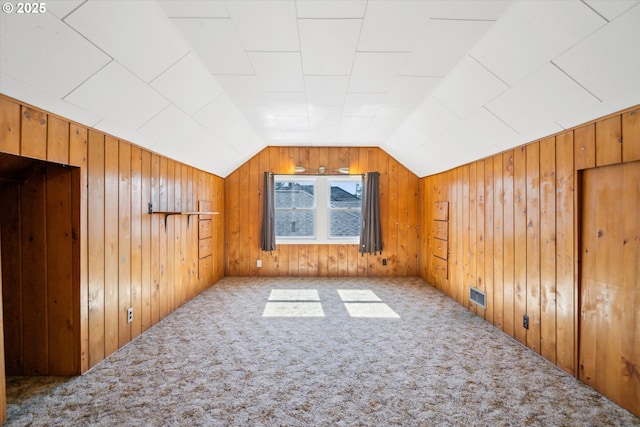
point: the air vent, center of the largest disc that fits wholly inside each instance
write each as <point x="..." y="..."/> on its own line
<point x="477" y="297"/>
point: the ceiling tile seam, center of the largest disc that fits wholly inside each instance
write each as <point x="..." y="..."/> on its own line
<point x="353" y="62"/>
<point x="235" y="29"/>
<point x="74" y="9"/>
<point x="575" y="81"/>
<point x="234" y="74"/>
<point x="206" y="105"/>
<point x="463" y="19"/>
<point x="443" y="105"/>
<point x="169" y="67"/>
<point x="422" y="75"/>
<point x="87" y="79"/>
<point x="500" y="119"/>
<point x="337" y="18"/>
<point x="154" y="116"/>
<point x="594" y="11"/>
<point x="83" y="36"/>
<point x="273" y="51"/>
<point x="326" y="75"/>
<point x="304" y="81"/>
<point x="200" y="17"/>
<point x="384" y="51"/>
<point x="491" y="72"/>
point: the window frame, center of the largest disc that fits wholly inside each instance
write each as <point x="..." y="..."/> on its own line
<point x="322" y="209"/>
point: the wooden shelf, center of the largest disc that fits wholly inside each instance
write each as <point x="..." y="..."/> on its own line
<point x="188" y="213"/>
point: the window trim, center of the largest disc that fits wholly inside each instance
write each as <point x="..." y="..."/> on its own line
<point x="321" y="209"/>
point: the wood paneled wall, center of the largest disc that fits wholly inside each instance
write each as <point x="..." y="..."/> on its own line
<point x="514" y="231"/>
<point x="3" y="379"/>
<point x="399" y="210"/>
<point x="125" y="256"/>
<point x="40" y="294"/>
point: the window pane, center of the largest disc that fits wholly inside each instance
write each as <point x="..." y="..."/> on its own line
<point x="291" y="194"/>
<point x="344" y="223"/>
<point x="295" y="223"/>
<point x="345" y="194"/>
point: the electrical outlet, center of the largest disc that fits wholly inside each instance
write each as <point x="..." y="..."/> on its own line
<point x="525" y="321"/>
<point x="384" y="261"/>
<point x="129" y="314"/>
<point x="259" y="263"/>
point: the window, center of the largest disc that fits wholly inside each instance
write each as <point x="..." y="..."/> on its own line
<point x="318" y="209"/>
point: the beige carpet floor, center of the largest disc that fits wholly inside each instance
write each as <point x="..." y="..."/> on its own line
<point x="218" y="361"/>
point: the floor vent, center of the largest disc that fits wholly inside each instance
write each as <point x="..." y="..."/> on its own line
<point x="477" y="297"/>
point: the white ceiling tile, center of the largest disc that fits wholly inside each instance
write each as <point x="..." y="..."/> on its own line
<point x="354" y="125"/>
<point x="532" y="34"/>
<point x="585" y="113"/>
<point x="326" y="90"/>
<point x="39" y="50"/>
<point x="610" y="10"/>
<point x="608" y="62"/>
<point x="468" y="87"/>
<point x="539" y="99"/>
<point x="110" y="93"/>
<point x="295" y="123"/>
<point x="328" y="45"/>
<point x="209" y="153"/>
<point x="217" y="44"/>
<point x="219" y="114"/>
<point x="260" y="117"/>
<point x="122" y="132"/>
<point x="324" y="118"/>
<point x="287" y="103"/>
<point x="265" y="25"/>
<point x="169" y="127"/>
<point x="442" y="45"/>
<point x="394" y="26"/>
<point x="61" y="8"/>
<point x="278" y="71"/>
<point x="432" y="118"/>
<point x="375" y="72"/>
<point x="34" y="96"/>
<point x="486" y="10"/>
<point x="385" y="123"/>
<point x="324" y="136"/>
<point x="146" y="50"/>
<point x="406" y="138"/>
<point x="389" y="118"/>
<point x="411" y="90"/>
<point x="363" y="104"/>
<point x="188" y="85"/>
<point x="331" y="8"/>
<point x="194" y="8"/>
<point x="436" y="155"/>
<point x="243" y="90"/>
<point x="242" y="137"/>
<point x="481" y="132"/>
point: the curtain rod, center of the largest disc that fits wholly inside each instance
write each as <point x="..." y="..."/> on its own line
<point x="317" y="174"/>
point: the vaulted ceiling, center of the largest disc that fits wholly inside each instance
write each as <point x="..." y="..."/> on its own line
<point x="434" y="83"/>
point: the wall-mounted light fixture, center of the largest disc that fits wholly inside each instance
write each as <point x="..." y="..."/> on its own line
<point x="322" y="170"/>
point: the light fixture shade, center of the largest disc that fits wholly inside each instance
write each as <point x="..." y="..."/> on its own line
<point x="343" y="170"/>
<point x="300" y="169"/>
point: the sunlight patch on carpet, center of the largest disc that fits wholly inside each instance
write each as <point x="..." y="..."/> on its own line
<point x="294" y="295"/>
<point x="356" y="295"/>
<point x="374" y="309"/>
<point x="293" y="309"/>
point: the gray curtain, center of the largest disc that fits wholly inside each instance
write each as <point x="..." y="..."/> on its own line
<point x="268" y="238"/>
<point x="371" y="232"/>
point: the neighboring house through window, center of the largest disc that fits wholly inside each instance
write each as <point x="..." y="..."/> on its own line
<point x="318" y="209"/>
